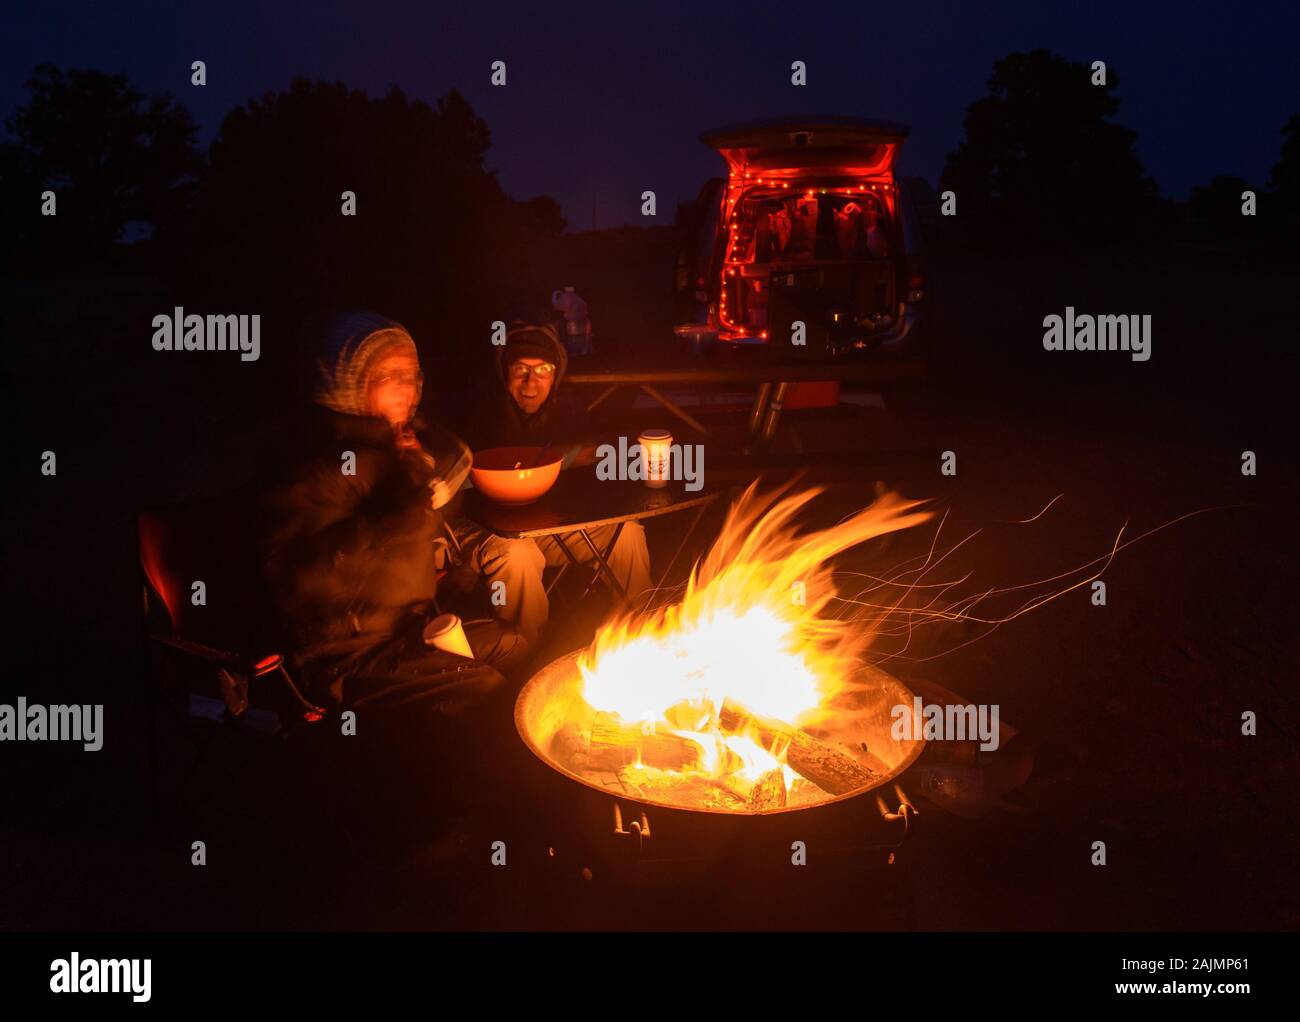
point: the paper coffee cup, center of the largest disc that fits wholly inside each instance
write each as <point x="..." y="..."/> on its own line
<point x="655" y="456"/>
<point x="445" y="633"/>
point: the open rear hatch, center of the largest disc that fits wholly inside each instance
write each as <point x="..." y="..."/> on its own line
<point x="810" y="232"/>
<point x="797" y="147"/>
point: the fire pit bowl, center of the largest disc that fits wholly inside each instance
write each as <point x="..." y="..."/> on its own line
<point x="854" y="745"/>
<point x="740" y="722"/>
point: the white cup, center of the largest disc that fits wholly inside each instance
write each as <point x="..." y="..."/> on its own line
<point x="655" y="457"/>
<point x="445" y="633"/>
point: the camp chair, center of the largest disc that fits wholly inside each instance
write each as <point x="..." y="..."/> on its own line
<point x="204" y="608"/>
<point x="454" y="581"/>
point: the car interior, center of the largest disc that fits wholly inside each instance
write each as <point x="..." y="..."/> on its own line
<point x="811" y="254"/>
<point x="811" y="227"/>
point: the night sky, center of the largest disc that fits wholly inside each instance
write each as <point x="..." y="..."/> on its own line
<point x="604" y="101"/>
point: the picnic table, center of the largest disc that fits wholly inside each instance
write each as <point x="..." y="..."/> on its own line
<point x="773" y="376"/>
<point x="579" y="503"/>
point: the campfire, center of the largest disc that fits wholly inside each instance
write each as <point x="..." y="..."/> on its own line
<point x="745" y="696"/>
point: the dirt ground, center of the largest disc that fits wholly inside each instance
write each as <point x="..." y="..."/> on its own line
<point x="1134" y="708"/>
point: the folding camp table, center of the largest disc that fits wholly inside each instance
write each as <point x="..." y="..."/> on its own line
<point x="773" y="377"/>
<point x="580" y="503"/>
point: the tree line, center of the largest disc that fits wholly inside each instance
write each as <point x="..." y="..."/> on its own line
<point x="258" y="220"/>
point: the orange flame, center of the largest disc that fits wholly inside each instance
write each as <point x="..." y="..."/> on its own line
<point x="748" y="631"/>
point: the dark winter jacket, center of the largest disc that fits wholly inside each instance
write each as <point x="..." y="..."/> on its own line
<point x="349" y="527"/>
<point x="349" y="556"/>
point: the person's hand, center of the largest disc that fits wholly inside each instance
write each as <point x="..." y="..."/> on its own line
<point x="586" y="456"/>
<point x="407" y="440"/>
<point x="441" y="493"/>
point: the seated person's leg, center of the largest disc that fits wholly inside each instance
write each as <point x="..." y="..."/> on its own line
<point x="404" y="672"/>
<point x="630" y="560"/>
<point x="518" y="564"/>
<point x="500" y="645"/>
<point x="423" y="717"/>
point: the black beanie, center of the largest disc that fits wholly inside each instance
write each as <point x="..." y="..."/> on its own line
<point x="528" y="341"/>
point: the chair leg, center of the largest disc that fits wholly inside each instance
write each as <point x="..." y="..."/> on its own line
<point x="309" y="710"/>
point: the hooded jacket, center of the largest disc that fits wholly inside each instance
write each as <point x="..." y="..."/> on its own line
<point x="349" y="548"/>
<point x="499" y="422"/>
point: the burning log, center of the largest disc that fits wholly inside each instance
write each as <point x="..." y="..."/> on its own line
<point x="828" y="768"/>
<point x="768" y="791"/>
<point x="612" y="744"/>
<point x="725" y="793"/>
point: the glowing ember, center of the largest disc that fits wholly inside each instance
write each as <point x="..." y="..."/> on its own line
<point x="741" y="697"/>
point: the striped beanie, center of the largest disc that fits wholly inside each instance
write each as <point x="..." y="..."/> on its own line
<point x="354" y="344"/>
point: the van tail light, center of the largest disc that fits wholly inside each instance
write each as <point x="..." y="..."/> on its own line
<point x="915" y="279"/>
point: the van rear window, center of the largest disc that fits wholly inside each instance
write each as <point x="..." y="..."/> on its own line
<point x="810" y="226"/>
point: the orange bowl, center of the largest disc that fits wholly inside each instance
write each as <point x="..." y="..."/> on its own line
<point x="496" y="475"/>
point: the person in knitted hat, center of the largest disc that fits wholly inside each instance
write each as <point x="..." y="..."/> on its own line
<point x="354" y="523"/>
<point x="523" y="411"/>
<point x="522" y="406"/>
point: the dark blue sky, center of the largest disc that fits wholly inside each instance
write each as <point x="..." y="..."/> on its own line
<point x="605" y="101"/>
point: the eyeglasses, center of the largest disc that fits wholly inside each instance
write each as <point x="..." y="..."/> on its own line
<point x="404" y="376"/>
<point x="519" y="371"/>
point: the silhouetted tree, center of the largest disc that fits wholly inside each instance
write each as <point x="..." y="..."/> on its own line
<point x="435" y="241"/>
<point x="112" y="156"/>
<point x="542" y="214"/>
<point x="1042" y="164"/>
<point x="1284" y="178"/>
<point x="1216" y="211"/>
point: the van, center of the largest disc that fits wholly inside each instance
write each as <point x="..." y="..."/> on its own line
<point x="810" y="245"/>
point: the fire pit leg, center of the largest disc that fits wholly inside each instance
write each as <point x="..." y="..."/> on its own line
<point x="638" y="828"/>
<point x="905" y="812"/>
